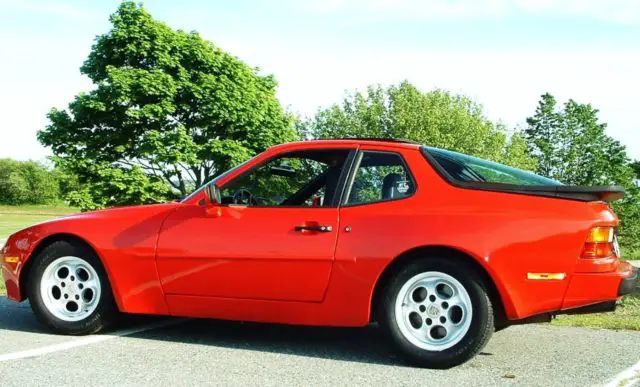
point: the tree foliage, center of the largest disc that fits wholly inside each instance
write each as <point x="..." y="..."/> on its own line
<point x="437" y="118"/>
<point x="571" y="145"/>
<point x="168" y="112"/>
<point x="28" y="182"/>
<point x="636" y="168"/>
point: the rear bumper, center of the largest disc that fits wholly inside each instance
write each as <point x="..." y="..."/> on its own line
<point x="592" y="293"/>
<point x="628" y="285"/>
<point x="594" y="288"/>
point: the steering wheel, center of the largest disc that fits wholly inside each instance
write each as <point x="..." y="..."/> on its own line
<point x="245" y="197"/>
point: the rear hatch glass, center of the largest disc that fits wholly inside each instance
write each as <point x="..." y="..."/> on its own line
<point x="474" y="173"/>
<point x="468" y="168"/>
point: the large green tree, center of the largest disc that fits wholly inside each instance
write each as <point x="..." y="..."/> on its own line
<point x="437" y="118"/>
<point x="572" y="146"/>
<point x="169" y="111"/>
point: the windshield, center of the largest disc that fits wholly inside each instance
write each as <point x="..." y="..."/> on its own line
<point x="194" y="193"/>
<point x="465" y="168"/>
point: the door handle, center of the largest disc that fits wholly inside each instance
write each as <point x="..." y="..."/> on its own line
<point x="314" y="228"/>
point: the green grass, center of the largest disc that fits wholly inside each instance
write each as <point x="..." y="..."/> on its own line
<point x="15" y="218"/>
<point x="12" y="223"/>
<point x="626" y="316"/>
<point x="47" y="209"/>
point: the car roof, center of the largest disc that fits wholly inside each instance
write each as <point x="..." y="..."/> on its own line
<point x="394" y="142"/>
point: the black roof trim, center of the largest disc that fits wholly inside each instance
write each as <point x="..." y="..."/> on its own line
<point x="380" y="139"/>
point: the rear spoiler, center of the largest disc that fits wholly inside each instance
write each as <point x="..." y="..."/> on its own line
<point x="606" y="193"/>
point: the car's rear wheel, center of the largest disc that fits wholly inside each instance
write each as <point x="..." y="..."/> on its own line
<point x="69" y="290"/>
<point x="437" y="312"/>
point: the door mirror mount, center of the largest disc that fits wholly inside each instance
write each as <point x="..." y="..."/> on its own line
<point x="212" y="192"/>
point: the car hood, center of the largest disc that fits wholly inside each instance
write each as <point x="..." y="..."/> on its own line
<point x="96" y="225"/>
<point x="122" y="213"/>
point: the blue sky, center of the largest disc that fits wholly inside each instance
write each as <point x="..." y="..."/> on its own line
<point x="503" y="53"/>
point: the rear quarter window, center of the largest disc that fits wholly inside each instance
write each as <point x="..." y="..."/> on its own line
<point x="463" y="168"/>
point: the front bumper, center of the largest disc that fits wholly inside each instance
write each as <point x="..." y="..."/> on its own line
<point x="10" y="266"/>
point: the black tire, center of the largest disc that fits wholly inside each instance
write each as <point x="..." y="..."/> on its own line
<point x="482" y="320"/>
<point x="106" y="311"/>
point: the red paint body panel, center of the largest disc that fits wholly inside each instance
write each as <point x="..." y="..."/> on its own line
<point x="244" y="263"/>
<point x="125" y="240"/>
<point x="266" y="259"/>
<point x="590" y="288"/>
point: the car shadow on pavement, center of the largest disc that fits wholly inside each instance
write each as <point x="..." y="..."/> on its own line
<point x="367" y="345"/>
<point x="348" y="344"/>
<point x="18" y="317"/>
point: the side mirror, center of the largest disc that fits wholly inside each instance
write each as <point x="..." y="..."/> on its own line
<point x="213" y="194"/>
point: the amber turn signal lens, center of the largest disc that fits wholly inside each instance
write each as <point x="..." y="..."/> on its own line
<point x="600" y="243"/>
<point x="601" y="235"/>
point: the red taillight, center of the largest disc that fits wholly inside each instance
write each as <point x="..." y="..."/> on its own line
<point x="600" y="243"/>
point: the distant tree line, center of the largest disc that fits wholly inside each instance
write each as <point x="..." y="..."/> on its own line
<point x="170" y="110"/>
<point x="31" y="182"/>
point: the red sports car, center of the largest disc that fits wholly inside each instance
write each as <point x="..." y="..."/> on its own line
<point x="439" y="248"/>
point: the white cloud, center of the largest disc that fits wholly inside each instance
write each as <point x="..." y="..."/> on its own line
<point x="615" y="11"/>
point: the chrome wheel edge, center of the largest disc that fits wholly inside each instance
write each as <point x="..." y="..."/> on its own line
<point x="433" y="311"/>
<point x="70" y="289"/>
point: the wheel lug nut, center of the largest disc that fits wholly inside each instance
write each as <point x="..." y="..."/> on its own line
<point x="429" y="321"/>
<point x="80" y="286"/>
<point x="73" y="278"/>
<point x="432" y="298"/>
<point x="66" y="296"/>
<point x="422" y="308"/>
<point x="78" y="297"/>
<point x="443" y="319"/>
<point x="63" y="284"/>
<point x="445" y="305"/>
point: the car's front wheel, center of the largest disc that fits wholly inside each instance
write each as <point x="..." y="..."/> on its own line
<point x="437" y="312"/>
<point x="69" y="290"/>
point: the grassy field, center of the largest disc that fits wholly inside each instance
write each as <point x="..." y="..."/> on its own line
<point x="626" y="316"/>
<point x="14" y="218"/>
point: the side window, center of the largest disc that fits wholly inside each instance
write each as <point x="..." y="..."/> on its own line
<point x="380" y="176"/>
<point x="299" y="179"/>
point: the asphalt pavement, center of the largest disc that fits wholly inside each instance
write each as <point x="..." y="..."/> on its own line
<point x="207" y="352"/>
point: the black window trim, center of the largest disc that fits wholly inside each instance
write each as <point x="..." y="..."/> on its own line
<point x="352" y="175"/>
<point x="339" y="187"/>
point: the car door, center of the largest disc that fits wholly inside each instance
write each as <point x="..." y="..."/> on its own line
<point x="376" y="211"/>
<point x="272" y="238"/>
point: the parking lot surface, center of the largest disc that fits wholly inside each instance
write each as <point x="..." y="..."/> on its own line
<point x="206" y="352"/>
